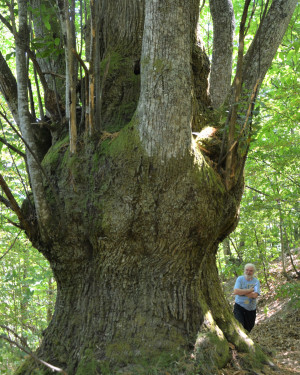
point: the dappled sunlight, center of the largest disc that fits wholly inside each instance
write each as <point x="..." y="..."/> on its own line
<point x="199" y="159"/>
<point x="271" y="310"/>
<point x="210" y="323"/>
<point x="244" y="335"/>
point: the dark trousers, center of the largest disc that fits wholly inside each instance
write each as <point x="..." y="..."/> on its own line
<point x="245" y="317"/>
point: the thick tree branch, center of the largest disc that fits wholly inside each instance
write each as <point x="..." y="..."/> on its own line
<point x="165" y="96"/>
<point x="43" y="211"/>
<point x="231" y="158"/>
<point x="8" y="87"/>
<point x="14" y="205"/>
<point x="82" y="63"/>
<point x="6" y="202"/>
<point x="71" y="71"/>
<point x="221" y="67"/>
<point x="266" y="42"/>
<point x="6" y="23"/>
<point x="13" y="148"/>
<point x="251" y="70"/>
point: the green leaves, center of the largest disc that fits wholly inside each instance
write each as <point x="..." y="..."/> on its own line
<point x="47" y="23"/>
<point x="292" y="291"/>
<point x="269" y="215"/>
<point x="47" y="46"/>
<point x="26" y="297"/>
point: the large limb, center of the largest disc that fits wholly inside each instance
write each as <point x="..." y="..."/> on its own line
<point x="12" y="204"/>
<point x="251" y="71"/>
<point x="8" y="87"/>
<point x="266" y="42"/>
<point x="221" y="66"/>
<point x="164" y="109"/>
<point x="36" y="177"/>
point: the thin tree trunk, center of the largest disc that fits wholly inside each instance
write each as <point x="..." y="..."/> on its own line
<point x="282" y="240"/>
<point x="36" y="179"/>
<point x="226" y="247"/>
<point x="262" y="257"/>
<point x="8" y="87"/>
<point x="71" y="69"/>
<point x="290" y="254"/>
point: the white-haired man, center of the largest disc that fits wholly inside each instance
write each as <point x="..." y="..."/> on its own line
<point x="246" y="290"/>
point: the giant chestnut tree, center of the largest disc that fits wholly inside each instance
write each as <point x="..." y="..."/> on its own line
<point x="135" y="161"/>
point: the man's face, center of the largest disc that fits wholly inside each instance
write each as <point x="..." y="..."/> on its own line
<point x="249" y="272"/>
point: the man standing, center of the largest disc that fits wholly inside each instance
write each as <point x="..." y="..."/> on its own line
<point x="246" y="290"/>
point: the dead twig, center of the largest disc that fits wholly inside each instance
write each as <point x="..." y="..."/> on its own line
<point x="37" y="359"/>
<point x="27" y="350"/>
<point x="11" y="246"/>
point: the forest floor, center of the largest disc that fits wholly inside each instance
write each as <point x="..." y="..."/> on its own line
<point x="277" y="328"/>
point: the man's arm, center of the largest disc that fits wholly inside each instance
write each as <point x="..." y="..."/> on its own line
<point x="252" y="295"/>
<point x="246" y="292"/>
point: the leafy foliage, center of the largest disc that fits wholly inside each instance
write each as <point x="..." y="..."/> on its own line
<point x="27" y="297"/>
<point x="269" y="217"/>
<point x="27" y="293"/>
<point x="292" y="291"/>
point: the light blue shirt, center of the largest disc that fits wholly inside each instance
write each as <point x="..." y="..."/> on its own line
<point x="246" y="302"/>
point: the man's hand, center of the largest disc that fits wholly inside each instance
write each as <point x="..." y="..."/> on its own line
<point x="252" y="295"/>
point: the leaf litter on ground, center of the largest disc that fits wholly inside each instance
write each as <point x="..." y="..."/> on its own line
<point x="277" y="328"/>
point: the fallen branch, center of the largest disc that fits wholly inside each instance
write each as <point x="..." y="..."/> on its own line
<point x="28" y="351"/>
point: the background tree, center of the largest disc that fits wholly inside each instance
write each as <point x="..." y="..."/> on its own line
<point x="127" y="207"/>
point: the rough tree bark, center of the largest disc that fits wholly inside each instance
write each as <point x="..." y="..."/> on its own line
<point x="131" y="221"/>
<point x="223" y="29"/>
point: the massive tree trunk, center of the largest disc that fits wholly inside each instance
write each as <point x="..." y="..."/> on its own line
<point x="131" y="219"/>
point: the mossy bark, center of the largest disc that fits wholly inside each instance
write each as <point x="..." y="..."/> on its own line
<point x="139" y="214"/>
<point x="134" y="258"/>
